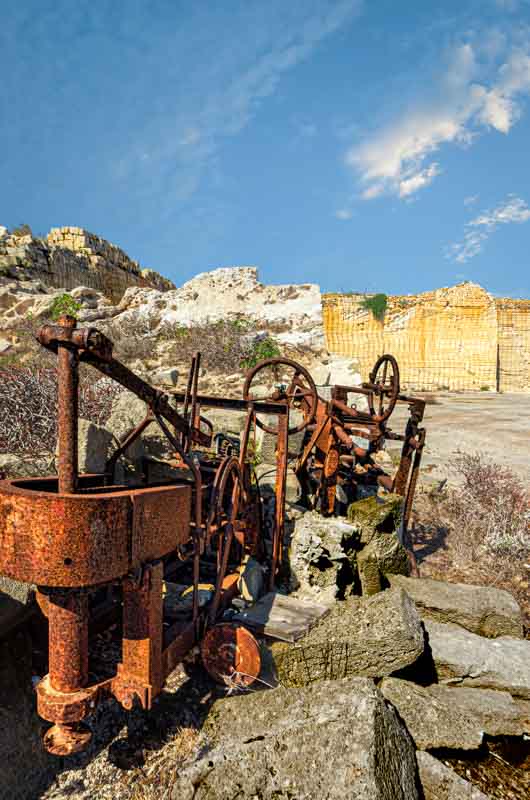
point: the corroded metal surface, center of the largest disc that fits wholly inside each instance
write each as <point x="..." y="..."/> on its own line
<point x="86" y="539"/>
<point x="231" y="655"/>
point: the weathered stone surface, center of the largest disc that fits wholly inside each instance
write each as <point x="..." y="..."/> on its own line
<point x="94" y="446"/>
<point x="335" y="740"/>
<point x="376" y="520"/>
<point x="484" y="610"/>
<point x="463" y="658"/>
<point x="319" y="550"/>
<point x="165" y="377"/>
<point x="455" y="337"/>
<point x="16" y="600"/>
<point x="361" y="636"/>
<point x="442" y="783"/>
<point x="443" y="716"/>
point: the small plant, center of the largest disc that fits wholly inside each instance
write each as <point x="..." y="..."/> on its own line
<point x="377" y="304"/>
<point x="22" y="230"/>
<point x="259" y="351"/>
<point x="64" y="304"/>
<point x="484" y="388"/>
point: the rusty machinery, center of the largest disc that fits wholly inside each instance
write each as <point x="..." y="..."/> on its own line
<point x="88" y="542"/>
<point x="336" y="458"/>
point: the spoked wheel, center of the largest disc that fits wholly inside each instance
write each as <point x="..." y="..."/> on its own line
<point x="296" y="387"/>
<point x="227" y="522"/>
<point x="384" y="386"/>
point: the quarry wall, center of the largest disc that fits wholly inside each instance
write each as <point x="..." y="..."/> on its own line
<point x="70" y="257"/>
<point x="455" y="338"/>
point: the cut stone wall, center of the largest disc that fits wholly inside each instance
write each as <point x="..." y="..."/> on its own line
<point x="455" y="338"/>
<point x="71" y="257"/>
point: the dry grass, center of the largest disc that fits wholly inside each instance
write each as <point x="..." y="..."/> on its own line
<point x="477" y="530"/>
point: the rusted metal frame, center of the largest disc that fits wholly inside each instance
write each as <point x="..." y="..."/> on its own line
<point x="67" y="419"/>
<point x="110" y="465"/>
<point x="319" y="428"/>
<point x="153" y="398"/>
<point x="140" y="674"/>
<point x="187" y="398"/>
<point x="233" y="403"/>
<point x="193" y="421"/>
<point x="197" y="528"/>
<point x="411" y="488"/>
<point x="250" y="422"/>
<point x="281" y="479"/>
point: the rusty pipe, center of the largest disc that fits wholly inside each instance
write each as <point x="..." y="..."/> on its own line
<point x="67" y="376"/>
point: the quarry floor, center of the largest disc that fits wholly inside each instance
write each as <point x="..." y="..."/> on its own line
<point x="496" y="425"/>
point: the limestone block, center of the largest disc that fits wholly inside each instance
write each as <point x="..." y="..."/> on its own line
<point x="372" y="636"/>
<point x="334" y="740"/>
<point x="462" y="658"/>
<point x="442" y="783"/>
<point x="455" y="717"/>
<point x="484" y="610"/>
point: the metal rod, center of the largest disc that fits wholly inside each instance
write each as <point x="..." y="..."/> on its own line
<point x="67" y="378"/>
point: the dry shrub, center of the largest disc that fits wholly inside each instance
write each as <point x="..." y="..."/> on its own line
<point x="477" y="530"/>
<point x="226" y="345"/>
<point x="489" y="507"/>
<point x="28" y="398"/>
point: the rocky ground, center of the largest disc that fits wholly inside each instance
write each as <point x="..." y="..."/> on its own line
<point x="421" y="690"/>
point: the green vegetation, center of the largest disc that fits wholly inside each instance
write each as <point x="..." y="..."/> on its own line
<point x="22" y="230"/>
<point x="64" y="304"/>
<point x="377" y="304"/>
<point x="260" y="350"/>
<point x="484" y="388"/>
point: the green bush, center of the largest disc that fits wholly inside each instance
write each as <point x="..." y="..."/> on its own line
<point x="377" y="304"/>
<point x="259" y="351"/>
<point x="64" y="304"/>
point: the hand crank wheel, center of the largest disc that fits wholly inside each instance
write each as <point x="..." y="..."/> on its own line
<point x="384" y="383"/>
<point x="300" y="393"/>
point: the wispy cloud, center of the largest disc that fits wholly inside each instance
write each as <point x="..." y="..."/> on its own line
<point x="469" y="98"/>
<point x="344" y="214"/>
<point x="471" y="200"/>
<point x="182" y="141"/>
<point x="479" y="229"/>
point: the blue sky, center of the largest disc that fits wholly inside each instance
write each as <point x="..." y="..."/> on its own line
<point x="371" y="146"/>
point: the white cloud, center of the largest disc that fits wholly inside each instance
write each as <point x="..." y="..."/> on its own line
<point x="344" y="213"/>
<point x="422" y="178"/>
<point x="513" y="209"/>
<point x="467" y="100"/>
<point x="471" y="199"/>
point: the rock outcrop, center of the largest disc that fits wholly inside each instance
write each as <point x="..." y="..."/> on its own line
<point x="333" y="740"/>
<point x="458" y="337"/>
<point x="71" y="257"/>
<point x="484" y="610"/>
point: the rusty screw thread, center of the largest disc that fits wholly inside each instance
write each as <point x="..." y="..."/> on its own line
<point x="67" y="418"/>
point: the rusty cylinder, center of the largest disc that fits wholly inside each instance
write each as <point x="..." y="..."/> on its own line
<point x="68" y="640"/>
<point x="67" y="376"/>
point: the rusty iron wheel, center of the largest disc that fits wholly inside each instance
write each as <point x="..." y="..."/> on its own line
<point x="384" y="386"/>
<point x="301" y="386"/>
<point x="231" y="655"/>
